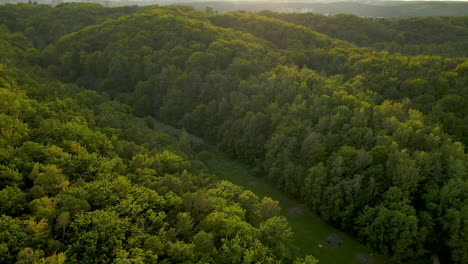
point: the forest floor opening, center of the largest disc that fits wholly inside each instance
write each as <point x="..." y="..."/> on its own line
<point x="310" y="232"/>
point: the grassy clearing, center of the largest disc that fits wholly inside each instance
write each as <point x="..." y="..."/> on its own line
<point x="310" y="231"/>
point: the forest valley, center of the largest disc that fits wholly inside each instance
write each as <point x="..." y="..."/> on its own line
<point x="364" y="120"/>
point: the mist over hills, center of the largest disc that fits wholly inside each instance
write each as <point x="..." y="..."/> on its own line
<point x="365" y="8"/>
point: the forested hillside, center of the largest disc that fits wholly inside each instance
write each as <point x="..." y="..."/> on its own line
<point x="443" y="36"/>
<point x="43" y="24"/>
<point x="371" y="140"/>
<point x="83" y="180"/>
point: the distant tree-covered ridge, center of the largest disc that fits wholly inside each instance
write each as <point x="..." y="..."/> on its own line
<point x="443" y="36"/>
<point x="372" y="140"/>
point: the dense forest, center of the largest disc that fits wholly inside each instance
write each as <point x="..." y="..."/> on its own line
<point x="443" y="36"/>
<point x="364" y="120"/>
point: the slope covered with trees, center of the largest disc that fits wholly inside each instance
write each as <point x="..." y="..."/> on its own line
<point x="372" y="141"/>
<point x="444" y="36"/>
<point x="83" y="180"/>
<point x="43" y="24"/>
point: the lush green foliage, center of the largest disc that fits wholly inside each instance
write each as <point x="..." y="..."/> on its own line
<point x="445" y="36"/>
<point x="82" y="180"/>
<point x="309" y="230"/>
<point x="43" y="24"/>
<point x="373" y="141"/>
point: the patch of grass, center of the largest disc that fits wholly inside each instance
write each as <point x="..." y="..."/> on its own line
<point x="310" y="231"/>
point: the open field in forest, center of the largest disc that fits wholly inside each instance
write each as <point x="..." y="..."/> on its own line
<point x="310" y="231"/>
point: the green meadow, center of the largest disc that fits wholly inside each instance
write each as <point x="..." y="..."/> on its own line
<point x="310" y="231"/>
